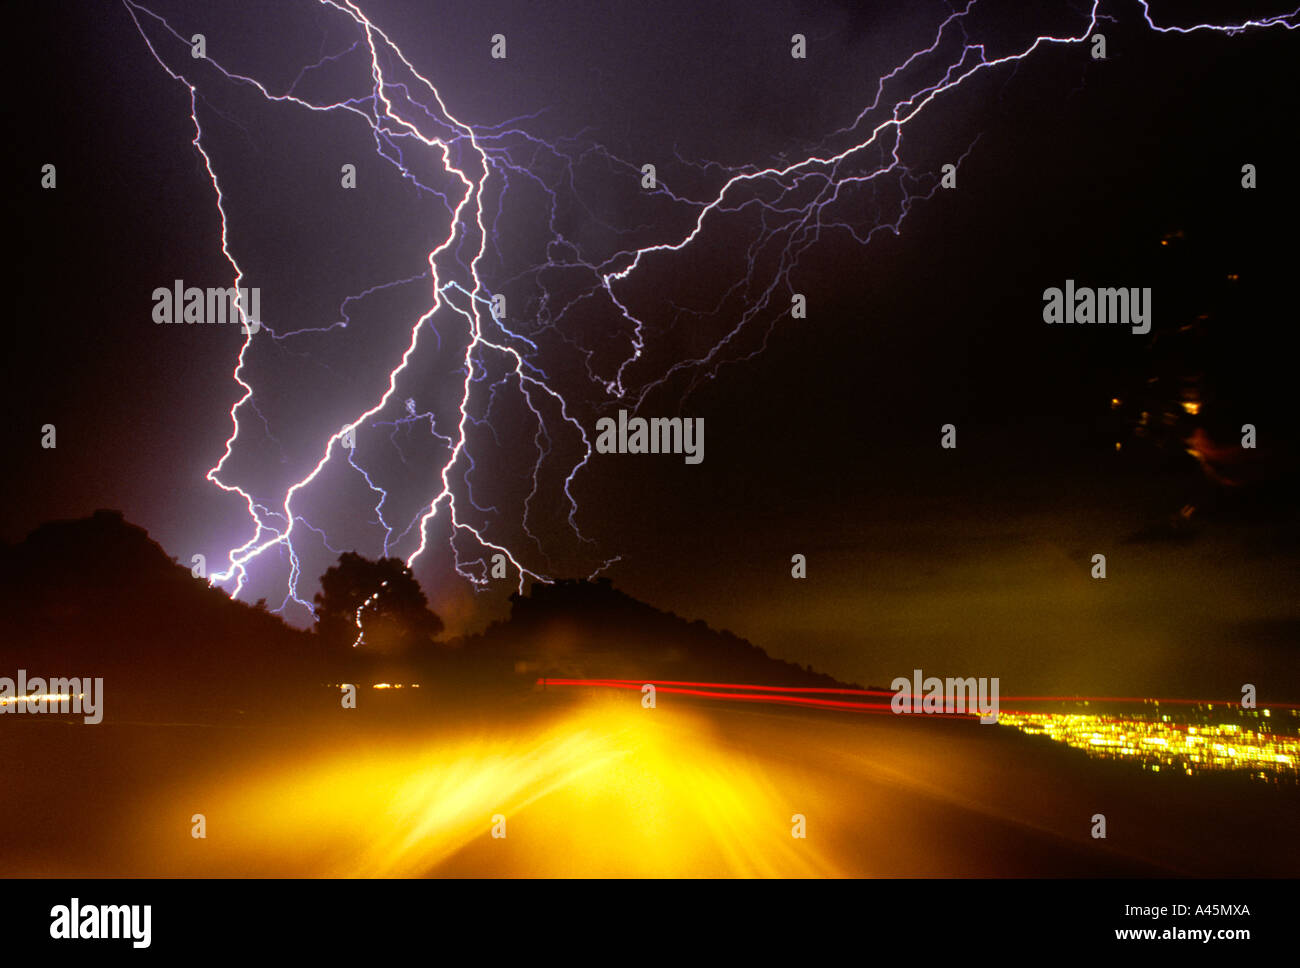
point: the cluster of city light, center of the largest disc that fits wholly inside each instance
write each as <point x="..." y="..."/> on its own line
<point x="1159" y="743"/>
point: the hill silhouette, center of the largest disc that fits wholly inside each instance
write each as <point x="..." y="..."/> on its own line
<point x="589" y="630"/>
<point x="97" y="597"/>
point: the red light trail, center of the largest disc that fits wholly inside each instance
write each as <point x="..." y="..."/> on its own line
<point x="745" y="692"/>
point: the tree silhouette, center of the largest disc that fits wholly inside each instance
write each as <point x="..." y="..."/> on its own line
<point x="373" y="605"/>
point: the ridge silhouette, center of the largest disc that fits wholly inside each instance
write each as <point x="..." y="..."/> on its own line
<point x="97" y="597"/>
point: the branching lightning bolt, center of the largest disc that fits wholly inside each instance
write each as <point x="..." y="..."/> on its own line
<point x="795" y="203"/>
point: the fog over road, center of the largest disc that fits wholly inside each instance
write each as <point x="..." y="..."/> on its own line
<point x="593" y="784"/>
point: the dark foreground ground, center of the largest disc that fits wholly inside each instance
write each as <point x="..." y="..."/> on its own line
<point x="596" y="785"/>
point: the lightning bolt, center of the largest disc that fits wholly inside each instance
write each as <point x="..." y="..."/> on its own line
<point x="783" y="209"/>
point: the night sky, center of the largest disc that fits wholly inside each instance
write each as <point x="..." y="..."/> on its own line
<point x="973" y="561"/>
